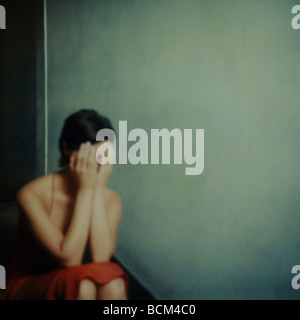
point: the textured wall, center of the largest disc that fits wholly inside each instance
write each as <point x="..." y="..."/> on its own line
<point x="232" y="232"/>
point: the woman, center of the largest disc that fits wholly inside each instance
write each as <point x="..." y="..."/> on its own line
<point x="64" y="213"/>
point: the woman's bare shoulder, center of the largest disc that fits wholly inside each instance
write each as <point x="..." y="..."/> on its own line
<point x="38" y="188"/>
<point x="113" y="199"/>
<point x="112" y="194"/>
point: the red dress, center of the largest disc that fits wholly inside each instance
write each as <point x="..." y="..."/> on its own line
<point x="34" y="275"/>
<point x="59" y="284"/>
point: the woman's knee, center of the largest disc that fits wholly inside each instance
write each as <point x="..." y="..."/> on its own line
<point x="113" y="290"/>
<point x="87" y="290"/>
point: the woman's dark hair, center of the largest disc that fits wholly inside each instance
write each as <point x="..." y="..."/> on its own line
<point x="80" y="127"/>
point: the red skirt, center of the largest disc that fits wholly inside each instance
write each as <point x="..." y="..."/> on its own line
<point x="60" y="284"/>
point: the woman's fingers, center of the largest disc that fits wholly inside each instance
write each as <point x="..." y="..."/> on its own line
<point x="80" y="157"/>
<point x="86" y="152"/>
<point x="81" y="163"/>
<point x="85" y="165"/>
<point x="72" y="162"/>
<point x="86" y="160"/>
<point x="92" y="163"/>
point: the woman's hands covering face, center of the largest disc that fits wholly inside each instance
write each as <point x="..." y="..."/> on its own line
<point x="86" y="171"/>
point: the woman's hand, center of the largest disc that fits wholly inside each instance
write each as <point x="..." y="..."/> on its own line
<point x="104" y="170"/>
<point x="103" y="174"/>
<point x="83" y="166"/>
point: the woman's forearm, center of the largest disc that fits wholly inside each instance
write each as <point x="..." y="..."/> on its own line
<point x="74" y="242"/>
<point x="101" y="239"/>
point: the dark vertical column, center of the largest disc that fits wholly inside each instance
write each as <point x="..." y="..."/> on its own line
<point x="21" y="95"/>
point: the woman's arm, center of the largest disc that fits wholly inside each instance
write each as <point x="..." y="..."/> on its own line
<point x="106" y="214"/>
<point x="68" y="249"/>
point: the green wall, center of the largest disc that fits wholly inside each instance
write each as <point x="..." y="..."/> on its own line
<point x="231" y="69"/>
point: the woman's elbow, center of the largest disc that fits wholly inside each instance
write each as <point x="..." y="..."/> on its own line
<point x="69" y="259"/>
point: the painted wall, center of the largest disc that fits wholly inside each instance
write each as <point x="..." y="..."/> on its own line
<point x="232" y="70"/>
